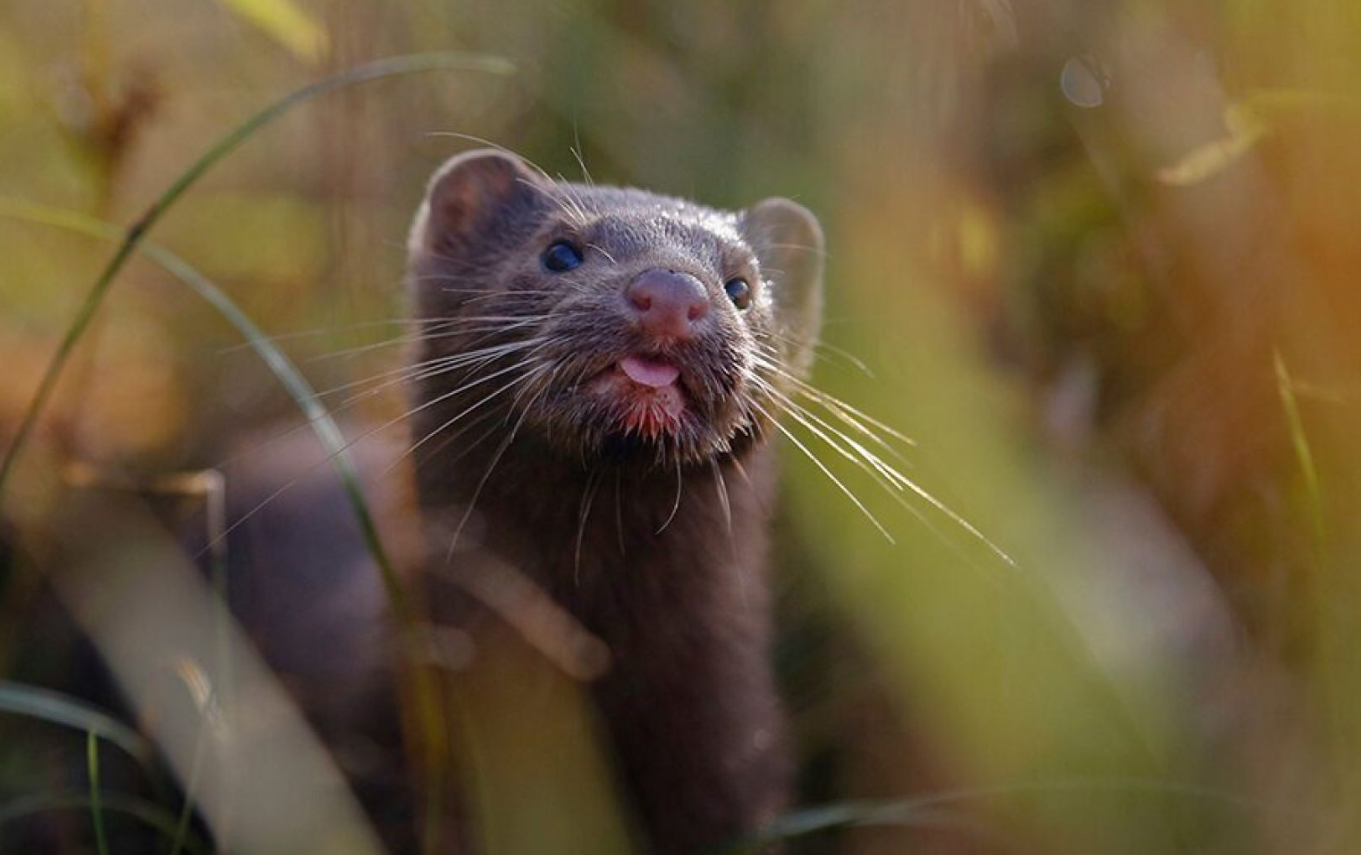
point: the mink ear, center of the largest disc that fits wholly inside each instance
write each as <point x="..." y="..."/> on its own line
<point x="474" y="193"/>
<point x="788" y="242"/>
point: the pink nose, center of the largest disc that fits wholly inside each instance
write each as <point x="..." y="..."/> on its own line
<point x="668" y="304"/>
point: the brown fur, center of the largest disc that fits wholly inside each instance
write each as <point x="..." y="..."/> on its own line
<point x="657" y="545"/>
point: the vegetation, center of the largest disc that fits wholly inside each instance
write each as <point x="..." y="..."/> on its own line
<point x="1092" y="288"/>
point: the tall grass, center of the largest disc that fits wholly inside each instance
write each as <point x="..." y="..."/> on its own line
<point x="425" y="698"/>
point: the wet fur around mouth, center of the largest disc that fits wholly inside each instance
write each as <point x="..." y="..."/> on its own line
<point x="653" y="540"/>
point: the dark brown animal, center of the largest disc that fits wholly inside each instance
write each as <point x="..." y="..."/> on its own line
<point x="594" y="385"/>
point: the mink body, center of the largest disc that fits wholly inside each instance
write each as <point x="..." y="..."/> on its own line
<point x="645" y="518"/>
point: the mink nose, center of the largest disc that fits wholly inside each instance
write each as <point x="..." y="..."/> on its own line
<point x="668" y="304"/>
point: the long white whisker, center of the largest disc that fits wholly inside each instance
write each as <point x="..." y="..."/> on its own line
<point x="429" y="368"/>
<point x="456" y="418"/>
<point x="587" y="498"/>
<point x="818" y="349"/>
<point x="477" y="493"/>
<point x="490" y="326"/>
<point x="675" y="507"/>
<point x="725" y="504"/>
<point x="825" y="471"/>
<point x="793" y="408"/>
<point x="890" y="479"/>
<point x="313" y="333"/>
<point x="843" y="410"/>
<point x="330" y="457"/>
<point x="619" y="508"/>
<point x="332" y="411"/>
<point x="721" y="486"/>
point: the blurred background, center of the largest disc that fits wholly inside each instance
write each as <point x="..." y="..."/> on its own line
<point x="1101" y="261"/>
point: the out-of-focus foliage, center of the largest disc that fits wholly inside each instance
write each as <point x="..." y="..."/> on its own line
<point x="286" y="23"/>
<point x="1101" y="261"/>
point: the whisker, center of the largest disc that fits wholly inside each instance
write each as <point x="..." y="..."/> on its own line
<point x="473" y="320"/>
<point x="680" y="485"/>
<point x="833" y="402"/>
<point x="818" y="349"/>
<point x="564" y="186"/>
<point x="477" y="493"/>
<point x="346" y="447"/>
<point x="445" y="442"/>
<point x="587" y="498"/>
<point x="721" y="487"/>
<point x="825" y="471"/>
<point x="321" y="331"/>
<point x="519" y="292"/>
<point x="889" y="478"/>
<point x="424" y="336"/>
<point x="602" y="251"/>
<point x="799" y="246"/>
<point x="428" y="368"/>
<point x="503" y="149"/>
<point x="576" y="152"/>
<point x="454" y="419"/>
<point x="868" y="456"/>
<point x="619" y="508"/>
<point x="575" y="211"/>
<point x="725" y="504"/>
<point x="336" y="409"/>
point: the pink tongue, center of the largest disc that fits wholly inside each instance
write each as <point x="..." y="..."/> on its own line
<point x="649" y="373"/>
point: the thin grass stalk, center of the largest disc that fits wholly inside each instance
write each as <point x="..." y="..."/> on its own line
<point x="96" y="807"/>
<point x="136" y="233"/>
<point x="430" y="718"/>
<point x="145" y="812"/>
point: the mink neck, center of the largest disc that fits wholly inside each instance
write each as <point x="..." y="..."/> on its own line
<point x="677" y="593"/>
<point x="574" y="524"/>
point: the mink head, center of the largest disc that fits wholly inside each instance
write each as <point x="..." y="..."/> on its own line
<point x="612" y="323"/>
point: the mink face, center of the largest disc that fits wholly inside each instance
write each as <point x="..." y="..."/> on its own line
<point x="612" y="323"/>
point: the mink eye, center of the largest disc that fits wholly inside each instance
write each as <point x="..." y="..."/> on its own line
<point x="739" y="292"/>
<point x="561" y="257"/>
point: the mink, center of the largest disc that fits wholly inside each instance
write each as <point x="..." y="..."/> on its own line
<point x="594" y="385"/>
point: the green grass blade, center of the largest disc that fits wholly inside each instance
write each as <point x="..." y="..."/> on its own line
<point x="137" y="232"/>
<point x="425" y="694"/>
<point x="181" y="837"/>
<point x="147" y="813"/>
<point x="59" y="709"/>
<point x="423" y="687"/>
<point x="96" y="808"/>
<point x="288" y="375"/>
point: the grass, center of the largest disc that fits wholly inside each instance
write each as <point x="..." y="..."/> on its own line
<point x="96" y="802"/>
<point x="56" y="708"/>
<point x="1106" y="263"/>
<point x="933" y="810"/>
<point x="147" y="813"/>
<point x="431" y="723"/>
<point x="137" y="232"/>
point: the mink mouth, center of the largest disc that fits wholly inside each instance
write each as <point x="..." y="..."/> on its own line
<point x="647" y="394"/>
<point x="628" y="401"/>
